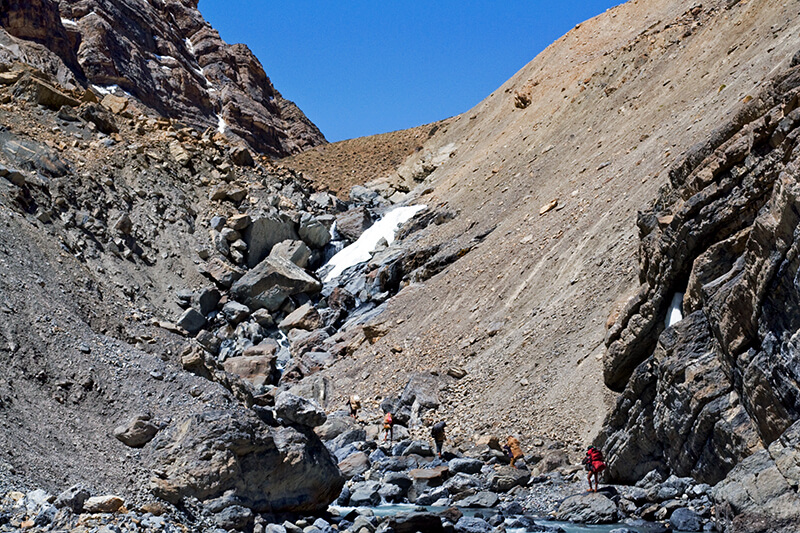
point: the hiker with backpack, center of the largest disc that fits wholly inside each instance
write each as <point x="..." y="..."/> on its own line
<point x="594" y="463"/>
<point x="388" y="428"/>
<point x="355" y="404"/>
<point x="437" y="432"/>
<point x="513" y="450"/>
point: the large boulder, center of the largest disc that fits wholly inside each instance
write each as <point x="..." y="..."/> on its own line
<point x="266" y="469"/>
<point x="304" y="317"/>
<point x="508" y="477"/>
<point x="295" y="251"/>
<point x="353" y="223"/>
<point x="137" y="431"/>
<point x="589" y="508"/>
<point x="297" y="410"/>
<point x="272" y="281"/>
<point x="258" y="370"/>
<point x="313" y="232"/>
<point x="265" y="232"/>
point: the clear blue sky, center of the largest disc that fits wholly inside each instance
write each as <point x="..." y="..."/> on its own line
<point x="364" y="67"/>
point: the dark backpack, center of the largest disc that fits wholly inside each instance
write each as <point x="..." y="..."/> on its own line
<point x="437" y="430"/>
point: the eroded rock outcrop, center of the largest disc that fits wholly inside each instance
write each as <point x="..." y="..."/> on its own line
<point x="701" y="395"/>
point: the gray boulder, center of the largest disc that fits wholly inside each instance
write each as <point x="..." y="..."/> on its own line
<point x="298" y="410"/>
<point x="266" y="469"/>
<point x="462" y="483"/>
<point x="264" y="233"/>
<point x="336" y="424"/>
<point x="73" y="498"/>
<point x="684" y="519"/>
<point x="469" y="524"/>
<point x="313" y="232"/>
<point x="270" y="282"/>
<point x="465" y="465"/>
<point x="353" y="223"/>
<point x="295" y="251"/>
<point x="235" y="312"/>
<point x="305" y="317"/>
<point x="355" y="464"/>
<point x="234" y="517"/>
<point x="484" y="499"/>
<point x="590" y="508"/>
<point x="192" y="321"/>
<point x="365" y="494"/>
<point x="508" y="477"/>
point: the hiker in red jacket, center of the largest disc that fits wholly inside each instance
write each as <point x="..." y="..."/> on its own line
<point x="594" y="464"/>
<point x="388" y="428"/>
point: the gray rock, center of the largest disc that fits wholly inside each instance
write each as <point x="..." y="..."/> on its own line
<point x="209" y="341"/>
<point x="73" y="498"/>
<point x="269" y="283"/>
<point x="234" y="517"/>
<point x="267" y="469"/>
<point x="465" y="465"/>
<point x="508" y="477"/>
<point x="191" y="321"/>
<point x="313" y="232"/>
<point x="414" y="522"/>
<point x="397" y="478"/>
<point x="217" y="223"/>
<point x="336" y="424"/>
<point x="295" y="251"/>
<point x="305" y="317"/>
<point x="392" y="493"/>
<point x="297" y="410"/>
<point x="365" y="494"/>
<point x="235" y="312"/>
<point x="207" y="300"/>
<point x="591" y="508"/>
<point x="461" y="483"/>
<point x="264" y="233"/>
<point x="684" y="519"/>
<point x="481" y="499"/>
<point x="468" y="524"/>
<point x="137" y="431"/>
<point x="355" y="464"/>
<point x="352" y="435"/>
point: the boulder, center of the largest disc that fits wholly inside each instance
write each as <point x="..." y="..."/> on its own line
<point x="589" y="508"/>
<point x="298" y="410"/>
<point x="313" y="232"/>
<point x="461" y="483"/>
<point x="471" y="524"/>
<point x="684" y="519"/>
<point x="103" y="504"/>
<point x="272" y="281"/>
<point x="234" y="517"/>
<point x="257" y="369"/>
<point x="356" y="434"/>
<point x="354" y="464"/>
<point x="508" y="477"/>
<point x="304" y="317"/>
<point x="465" y="465"/>
<point x="483" y="499"/>
<point x="414" y="522"/>
<point x="235" y="312"/>
<point x="137" y="431"/>
<point x="353" y="223"/>
<point x="267" y="469"/>
<point x="192" y="321"/>
<point x="365" y="494"/>
<point x="73" y="498"/>
<point x="295" y="251"/>
<point x="222" y="273"/>
<point x="265" y="232"/>
<point x="336" y="424"/>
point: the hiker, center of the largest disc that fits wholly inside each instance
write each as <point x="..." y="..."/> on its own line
<point x="594" y="464"/>
<point x="388" y="428"/>
<point x="513" y="450"/>
<point x="437" y="432"/>
<point x="355" y="405"/>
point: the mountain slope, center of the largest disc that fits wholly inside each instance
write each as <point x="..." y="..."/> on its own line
<point x="166" y="56"/>
<point x="609" y="107"/>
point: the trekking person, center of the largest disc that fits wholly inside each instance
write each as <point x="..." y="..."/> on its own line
<point x="355" y="405"/>
<point x="388" y="428"/>
<point x="513" y="450"/>
<point x="437" y="432"/>
<point x="595" y="464"/>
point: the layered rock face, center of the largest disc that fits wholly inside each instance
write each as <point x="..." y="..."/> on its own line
<point x="166" y="56"/>
<point x="704" y="393"/>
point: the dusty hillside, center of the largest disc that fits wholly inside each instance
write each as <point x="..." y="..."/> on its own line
<point x="609" y="107"/>
<point x="341" y="165"/>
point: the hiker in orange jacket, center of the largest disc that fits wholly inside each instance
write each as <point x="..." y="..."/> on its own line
<point x="388" y="428"/>
<point x="513" y="450"/>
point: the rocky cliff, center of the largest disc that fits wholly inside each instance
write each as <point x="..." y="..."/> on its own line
<point x="719" y="385"/>
<point x="164" y="55"/>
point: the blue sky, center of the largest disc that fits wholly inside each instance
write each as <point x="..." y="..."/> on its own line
<point x="364" y="67"/>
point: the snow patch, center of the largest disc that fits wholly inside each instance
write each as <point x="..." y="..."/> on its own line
<point x="221" y="124"/>
<point x="107" y="89"/>
<point x="359" y="251"/>
<point x="675" y="312"/>
<point x="69" y="22"/>
<point x="189" y="45"/>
